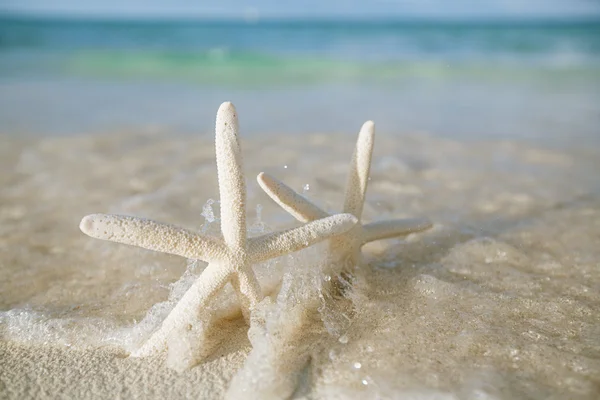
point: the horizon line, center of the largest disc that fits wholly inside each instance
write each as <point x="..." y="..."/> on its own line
<point x="254" y="19"/>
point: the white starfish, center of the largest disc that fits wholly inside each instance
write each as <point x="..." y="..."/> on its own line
<point x="229" y="258"/>
<point x="345" y="248"/>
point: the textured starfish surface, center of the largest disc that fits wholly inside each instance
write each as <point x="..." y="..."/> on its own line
<point x="345" y="248"/>
<point x="229" y="258"/>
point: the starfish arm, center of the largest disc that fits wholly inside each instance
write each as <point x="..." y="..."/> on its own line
<point x="358" y="175"/>
<point x="152" y="235"/>
<point x="298" y="206"/>
<point x="232" y="187"/>
<point x="396" y="227"/>
<point x="248" y="289"/>
<point x="186" y="311"/>
<point x="278" y="243"/>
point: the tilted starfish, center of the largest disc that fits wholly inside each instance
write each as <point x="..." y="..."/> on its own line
<point x="230" y="258"/>
<point x="345" y="248"/>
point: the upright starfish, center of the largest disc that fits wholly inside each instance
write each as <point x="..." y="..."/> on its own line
<point x="345" y="248"/>
<point x="230" y="259"/>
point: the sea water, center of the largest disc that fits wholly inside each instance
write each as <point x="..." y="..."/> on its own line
<point x="525" y="79"/>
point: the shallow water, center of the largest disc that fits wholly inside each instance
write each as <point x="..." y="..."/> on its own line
<point x="501" y="299"/>
<point x="532" y="80"/>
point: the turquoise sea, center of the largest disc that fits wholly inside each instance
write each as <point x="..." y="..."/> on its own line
<point x="519" y="79"/>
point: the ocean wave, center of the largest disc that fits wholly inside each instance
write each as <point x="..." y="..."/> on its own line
<point x="221" y="66"/>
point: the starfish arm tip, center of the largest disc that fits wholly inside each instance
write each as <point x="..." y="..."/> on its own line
<point x="267" y="182"/>
<point x="298" y="206"/>
<point x="226" y="107"/>
<point x="86" y="223"/>
<point x="360" y="166"/>
<point x="366" y="136"/>
<point x="227" y="116"/>
<point x="93" y="224"/>
<point x="393" y="228"/>
<point x="369" y="126"/>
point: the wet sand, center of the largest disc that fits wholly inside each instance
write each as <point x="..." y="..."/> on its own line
<point x="500" y="299"/>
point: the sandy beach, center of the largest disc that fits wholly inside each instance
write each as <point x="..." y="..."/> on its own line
<point x="499" y="300"/>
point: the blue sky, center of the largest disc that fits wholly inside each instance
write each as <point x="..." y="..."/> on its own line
<point x="321" y="8"/>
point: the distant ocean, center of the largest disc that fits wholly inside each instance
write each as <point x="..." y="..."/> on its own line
<point x="411" y="75"/>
